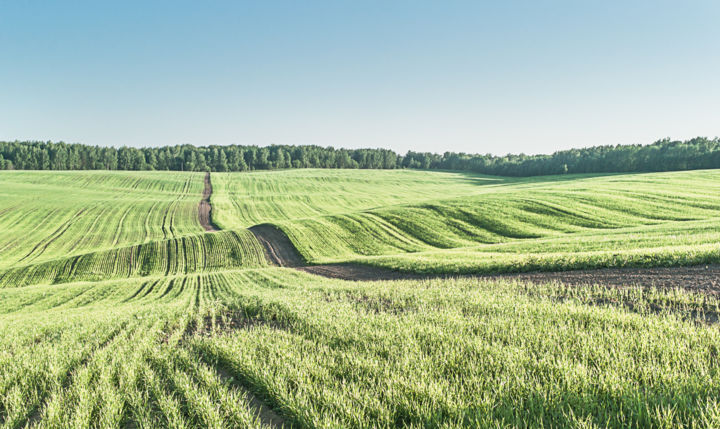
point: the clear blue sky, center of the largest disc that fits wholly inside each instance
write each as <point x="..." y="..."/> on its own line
<point x="498" y="77"/>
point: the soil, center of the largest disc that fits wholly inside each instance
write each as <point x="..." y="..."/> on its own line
<point x="279" y="250"/>
<point x="205" y="209"/>
<point x="705" y="278"/>
<point x="358" y="272"/>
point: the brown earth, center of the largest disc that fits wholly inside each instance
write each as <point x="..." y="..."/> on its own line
<point x="279" y="250"/>
<point x="706" y="278"/>
<point x="703" y="278"/>
<point x="205" y="209"/>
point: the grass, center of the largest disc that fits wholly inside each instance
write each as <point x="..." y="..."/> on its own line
<point x="93" y="355"/>
<point x="69" y="226"/>
<point x="100" y="225"/>
<point x="50" y="215"/>
<point x="118" y="310"/>
<point x="244" y="200"/>
<point x="188" y="254"/>
<point x="180" y="351"/>
<point x="452" y="223"/>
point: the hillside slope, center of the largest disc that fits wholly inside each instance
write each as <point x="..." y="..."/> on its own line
<point x="66" y="226"/>
<point x="445" y="222"/>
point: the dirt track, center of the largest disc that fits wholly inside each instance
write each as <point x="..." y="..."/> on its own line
<point x="701" y="278"/>
<point x="205" y="209"/>
<point x="281" y="252"/>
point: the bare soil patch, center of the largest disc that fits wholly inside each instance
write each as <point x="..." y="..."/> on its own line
<point x="705" y="278"/>
<point x="279" y="250"/>
<point x="205" y="209"/>
<point x="359" y="272"/>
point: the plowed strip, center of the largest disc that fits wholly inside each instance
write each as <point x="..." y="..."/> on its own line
<point x="205" y="209"/>
<point x="280" y="251"/>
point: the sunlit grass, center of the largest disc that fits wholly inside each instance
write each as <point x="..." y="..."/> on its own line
<point x="451" y="223"/>
<point x="328" y="353"/>
<point x="117" y="310"/>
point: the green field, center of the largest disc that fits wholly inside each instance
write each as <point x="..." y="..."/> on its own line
<point x="65" y="226"/>
<point x="460" y="223"/>
<point x="118" y="310"/>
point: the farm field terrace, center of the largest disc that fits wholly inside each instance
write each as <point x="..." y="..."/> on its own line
<point x="459" y="223"/>
<point x="46" y="215"/>
<point x="64" y="226"/>
<point x="185" y="351"/>
<point x="118" y="309"/>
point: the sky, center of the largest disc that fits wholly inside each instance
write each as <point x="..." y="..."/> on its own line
<point x="467" y="76"/>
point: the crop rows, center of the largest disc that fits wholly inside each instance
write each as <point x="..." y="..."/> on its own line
<point x="118" y="225"/>
<point x="89" y="226"/>
<point x="243" y="200"/>
<point x="117" y="310"/>
<point x="189" y="254"/>
<point x="184" y="351"/>
<point x="44" y="216"/>
<point x="497" y="225"/>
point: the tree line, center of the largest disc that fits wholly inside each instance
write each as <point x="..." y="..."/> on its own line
<point x="663" y="155"/>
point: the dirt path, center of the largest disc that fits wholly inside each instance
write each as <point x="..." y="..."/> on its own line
<point x="279" y="250"/>
<point x="703" y="278"/>
<point x="699" y="278"/>
<point x="205" y="209"/>
<point x="706" y="278"/>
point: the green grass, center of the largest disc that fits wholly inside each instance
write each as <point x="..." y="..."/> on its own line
<point x="68" y="226"/>
<point x="173" y="352"/>
<point x="50" y="215"/>
<point x="188" y="254"/>
<point x="246" y="199"/>
<point x="453" y="223"/>
<point x="98" y="225"/>
<point x="118" y="310"/>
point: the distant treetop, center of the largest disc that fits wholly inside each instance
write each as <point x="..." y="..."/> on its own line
<point x="663" y="155"/>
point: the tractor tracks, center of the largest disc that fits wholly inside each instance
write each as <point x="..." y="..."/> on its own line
<point x="279" y="250"/>
<point x="205" y="208"/>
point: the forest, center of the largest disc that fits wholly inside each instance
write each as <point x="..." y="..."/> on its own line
<point x="663" y="155"/>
